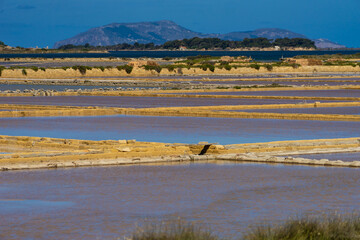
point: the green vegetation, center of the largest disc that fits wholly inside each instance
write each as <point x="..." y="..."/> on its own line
<point x="201" y="43"/>
<point x="255" y="65"/>
<point x="101" y="68"/>
<point x="326" y="228"/>
<point x="34" y="68"/>
<point x="128" y="69"/>
<point x="167" y="58"/>
<point x="171" y="68"/>
<point x="227" y="67"/>
<point x="24" y="72"/>
<point x="294" y="42"/>
<point x="2" y="44"/>
<point x="207" y="66"/>
<point x="269" y="67"/>
<point x="200" y="59"/>
<point x="273" y="85"/>
<point x="307" y="228"/>
<point x="340" y="63"/>
<point x="1" y="69"/>
<point x="215" y="43"/>
<point x="332" y="56"/>
<point x="82" y="69"/>
<point x="157" y="68"/>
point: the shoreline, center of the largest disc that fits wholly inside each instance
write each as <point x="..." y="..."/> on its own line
<point x="59" y="73"/>
<point x="49" y="153"/>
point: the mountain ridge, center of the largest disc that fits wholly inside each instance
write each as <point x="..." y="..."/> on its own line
<point x="159" y="32"/>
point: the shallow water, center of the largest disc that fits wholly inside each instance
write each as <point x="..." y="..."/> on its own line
<point x="282" y="82"/>
<point x="107" y="202"/>
<point x="256" y="55"/>
<point x="317" y="110"/>
<point x="346" y="157"/>
<point x="22" y="87"/>
<point x="138" y="102"/>
<point x="178" y="129"/>
<point x="302" y="93"/>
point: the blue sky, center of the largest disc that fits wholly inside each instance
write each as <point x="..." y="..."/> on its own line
<point x="43" y="22"/>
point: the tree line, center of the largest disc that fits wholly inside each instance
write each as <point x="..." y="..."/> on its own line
<point x="202" y="43"/>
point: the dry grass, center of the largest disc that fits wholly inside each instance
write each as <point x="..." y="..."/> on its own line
<point x="331" y="227"/>
<point x="172" y="230"/>
<point x="321" y="228"/>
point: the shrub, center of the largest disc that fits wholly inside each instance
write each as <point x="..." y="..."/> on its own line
<point x="42" y="69"/>
<point x="295" y="65"/>
<point x="171" y="68"/>
<point x="268" y="67"/>
<point x="157" y="68"/>
<point x="212" y="68"/>
<point x="208" y="66"/>
<point x="24" y="72"/>
<point x="167" y="58"/>
<point x="1" y="69"/>
<point x="227" y="67"/>
<point x="255" y="65"/>
<point x="328" y="63"/>
<point x="35" y="69"/>
<point x="82" y="69"/>
<point x="64" y="68"/>
<point x="272" y="85"/>
<point x="128" y="69"/>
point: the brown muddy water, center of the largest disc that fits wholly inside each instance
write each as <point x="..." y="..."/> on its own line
<point x="178" y="129"/>
<point x="317" y="110"/>
<point x="138" y="102"/>
<point x="107" y="202"/>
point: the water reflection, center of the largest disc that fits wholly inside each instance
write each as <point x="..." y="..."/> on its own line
<point x="108" y="201"/>
<point x="177" y="129"/>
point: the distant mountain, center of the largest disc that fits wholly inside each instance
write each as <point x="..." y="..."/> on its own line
<point x="142" y="32"/>
<point x="163" y="31"/>
<point x="270" y="33"/>
<point x="326" y="43"/>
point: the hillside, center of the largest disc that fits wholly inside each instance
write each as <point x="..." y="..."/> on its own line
<point x="143" y="32"/>
<point x="163" y="31"/>
<point x="270" y="33"/>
